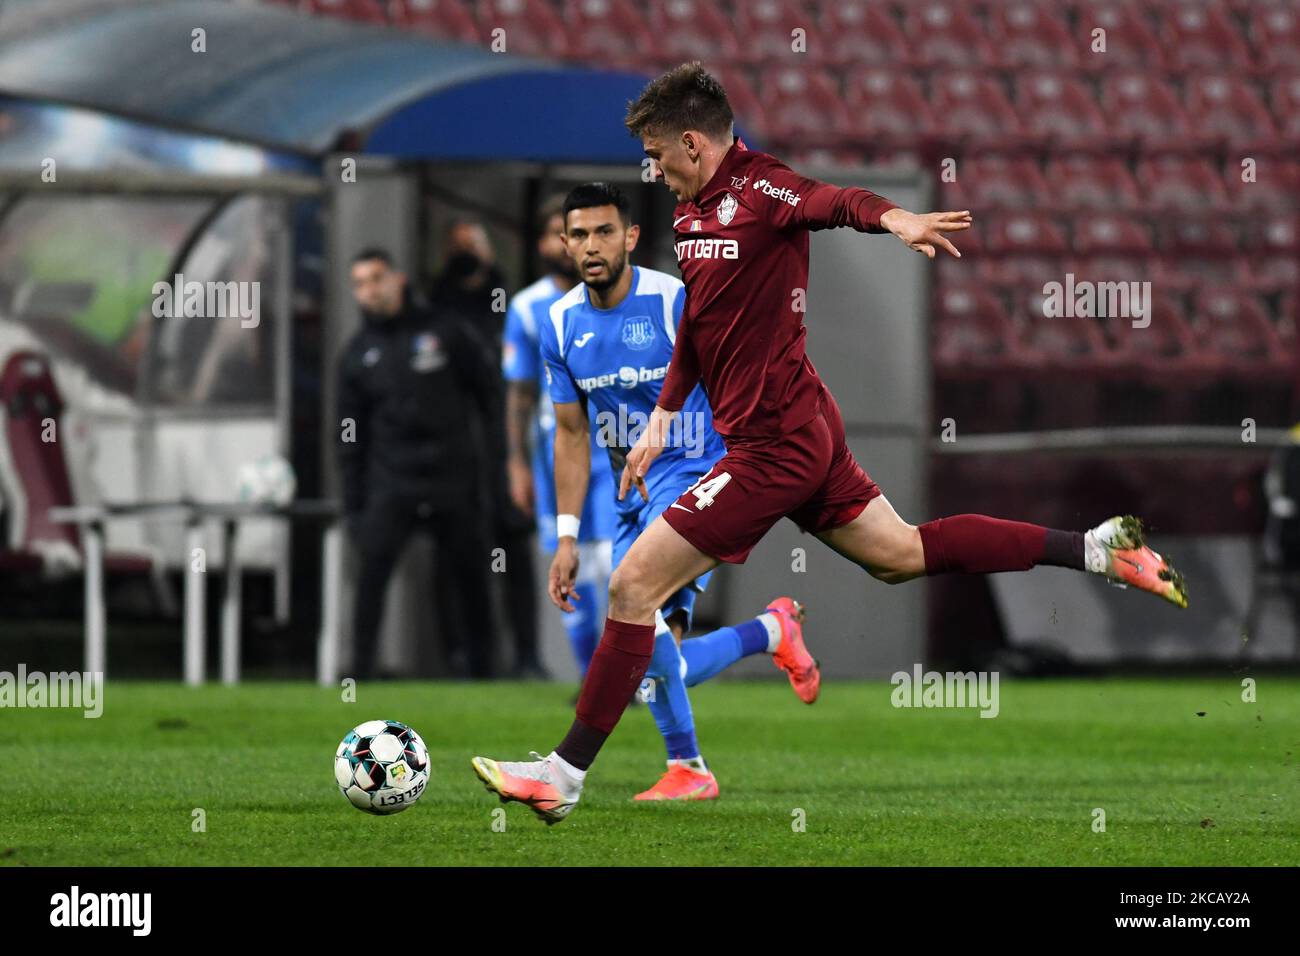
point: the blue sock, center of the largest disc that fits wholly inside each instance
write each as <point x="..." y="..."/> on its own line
<point x="713" y="653"/>
<point x="669" y="705"/>
<point x="584" y="626"/>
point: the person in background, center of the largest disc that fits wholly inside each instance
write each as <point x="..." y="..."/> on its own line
<point x="471" y="285"/>
<point x="530" y="423"/>
<point x="405" y="467"/>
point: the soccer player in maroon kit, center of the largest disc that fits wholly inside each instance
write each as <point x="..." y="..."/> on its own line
<point x="742" y="224"/>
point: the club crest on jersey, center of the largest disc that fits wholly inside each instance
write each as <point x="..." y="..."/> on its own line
<point x="727" y="209"/>
<point x="426" y="353"/>
<point x="638" y="332"/>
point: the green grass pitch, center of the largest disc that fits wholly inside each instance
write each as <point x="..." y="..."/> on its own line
<point x="871" y="784"/>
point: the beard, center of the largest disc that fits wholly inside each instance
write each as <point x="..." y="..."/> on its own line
<point x="613" y="272"/>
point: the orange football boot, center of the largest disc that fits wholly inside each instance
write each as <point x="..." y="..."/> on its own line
<point x="533" y="783"/>
<point x="791" y="654"/>
<point x="682" y="783"/>
<point x="1128" y="560"/>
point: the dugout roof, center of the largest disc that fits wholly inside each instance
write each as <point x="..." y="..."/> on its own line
<point x="308" y="85"/>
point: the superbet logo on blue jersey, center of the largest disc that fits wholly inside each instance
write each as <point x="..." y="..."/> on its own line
<point x="627" y="376"/>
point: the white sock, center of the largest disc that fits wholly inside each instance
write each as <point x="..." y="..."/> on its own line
<point x="1094" y="554"/>
<point x="574" y="776"/>
<point x="695" y="764"/>
<point x="773" y="626"/>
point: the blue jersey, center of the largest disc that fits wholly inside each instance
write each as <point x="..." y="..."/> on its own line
<point x="615" y="360"/>
<point x="521" y="361"/>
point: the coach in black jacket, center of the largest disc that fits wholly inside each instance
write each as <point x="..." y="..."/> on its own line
<point x="413" y="390"/>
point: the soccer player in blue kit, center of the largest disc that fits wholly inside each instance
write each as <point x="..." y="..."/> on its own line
<point x="530" y="420"/>
<point x="605" y="349"/>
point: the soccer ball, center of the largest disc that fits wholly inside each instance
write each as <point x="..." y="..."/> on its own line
<point x="268" y="480"/>
<point x="382" y="766"/>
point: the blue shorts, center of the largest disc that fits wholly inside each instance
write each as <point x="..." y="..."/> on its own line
<point x="630" y="524"/>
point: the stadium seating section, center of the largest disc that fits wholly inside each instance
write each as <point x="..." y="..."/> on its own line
<point x="1171" y="157"/>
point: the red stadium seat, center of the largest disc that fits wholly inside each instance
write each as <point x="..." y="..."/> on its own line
<point x="37" y="470"/>
<point x="1113" y="265"/>
<point x="944" y="33"/>
<point x="1225" y="107"/>
<point x="822" y="157"/>
<point x="1178" y="182"/>
<point x="447" y="19"/>
<point x="1018" y="271"/>
<point x="1274" y="31"/>
<point x="1286" y="325"/>
<point x="691" y="30"/>
<point x="1142" y="107"/>
<point x="1111" y="234"/>
<point x="1092" y="182"/>
<point x="1061" y="108"/>
<point x="1233" y="326"/>
<point x="1201" y="36"/>
<point x="1285" y="96"/>
<point x="995" y="182"/>
<point x="1032" y="34"/>
<point x="1276" y="233"/>
<point x="607" y="31"/>
<point x="1060" y="343"/>
<point x="1203" y="246"/>
<point x="1163" y="348"/>
<point x="362" y="11"/>
<point x="1269" y="275"/>
<point x="1203" y="235"/>
<point x="887" y="107"/>
<point x="860" y="31"/>
<point x="973" y="107"/>
<point x="531" y="27"/>
<point x="1028" y="248"/>
<point x="971" y="334"/>
<point x="749" y="111"/>
<point x="803" y="104"/>
<point x="1130" y="42"/>
<point x="1032" y="233"/>
<point x="1276" y="183"/>
<point x="767" y="27"/>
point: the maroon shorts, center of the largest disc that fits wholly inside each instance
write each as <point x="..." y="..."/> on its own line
<point x="808" y="476"/>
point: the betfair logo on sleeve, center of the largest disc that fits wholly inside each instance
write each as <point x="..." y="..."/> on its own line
<point x="783" y="193"/>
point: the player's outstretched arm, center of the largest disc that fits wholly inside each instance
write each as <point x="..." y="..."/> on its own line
<point x="926" y="232"/>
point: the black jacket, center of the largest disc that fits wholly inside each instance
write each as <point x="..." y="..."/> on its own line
<point x="418" y="387"/>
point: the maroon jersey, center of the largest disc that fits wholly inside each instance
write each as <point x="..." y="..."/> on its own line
<point x="742" y="247"/>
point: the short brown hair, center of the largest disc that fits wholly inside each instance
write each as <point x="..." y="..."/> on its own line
<point x="686" y="97"/>
<point x="552" y="207"/>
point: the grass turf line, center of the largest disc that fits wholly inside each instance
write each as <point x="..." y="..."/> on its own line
<point x="878" y="785"/>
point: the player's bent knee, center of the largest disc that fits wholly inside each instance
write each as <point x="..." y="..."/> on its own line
<point x="629" y="598"/>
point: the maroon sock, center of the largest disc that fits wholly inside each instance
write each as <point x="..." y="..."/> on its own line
<point x="615" y="672"/>
<point x="978" y="544"/>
